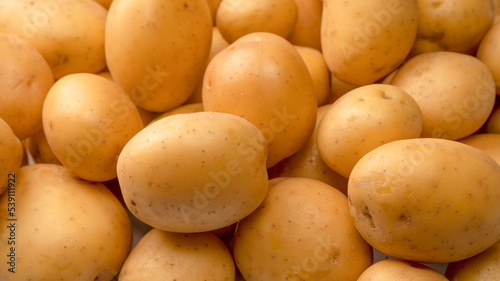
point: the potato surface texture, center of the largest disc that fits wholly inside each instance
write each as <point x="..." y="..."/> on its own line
<point x="11" y="155"/>
<point x="400" y="270"/>
<point x="426" y="200"/>
<point x="156" y="50"/>
<point x="194" y="172"/>
<point x="484" y="266"/>
<point x="66" y="228"/>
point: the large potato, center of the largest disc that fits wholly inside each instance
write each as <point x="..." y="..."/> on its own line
<point x="87" y="120"/>
<point x="489" y="51"/>
<point x="484" y="266"/>
<point x="69" y="34"/>
<point x="65" y="228"/>
<point x="400" y="270"/>
<point x="455" y="92"/>
<point x="363" y="119"/>
<point x="427" y="200"/>
<point x="25" y="79"/>
<point x="262" y="78"/>
<point x="302" y="231"/>
<point x="156" y="50"/>
<point x="194" y="172"/>
<point x="363" y="41"/>
<point x="11" y="156"/>
<point x="161" y="255"/>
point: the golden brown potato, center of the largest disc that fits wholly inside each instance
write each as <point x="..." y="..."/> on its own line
<point x="400" y="270"/>
<point x="307" y="29"/>
<point x="11" y="156"/>
<point x="489" y="51"/>
<point x="484" y="266"/>
<point x="319" y="72"/>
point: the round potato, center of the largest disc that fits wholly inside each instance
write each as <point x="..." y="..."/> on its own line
<point x="64" y="229"/>
<point x="302" y="231"/>
<point x="455" y="25"/>
<point x="363" y="41"/>
<point x="489" y="143"/>
<point x="11" y="156"/>
<point x="400" y="270"/>
<point x="484" y="266"/>
<point x="489" y="51"/>
<point x="262" y="78"/>
<point x="25" y="80"/>
<point x="156" y="50"/>
<point x="319" y="72"/>
<point x="363" y="119"/>
<point x="427" y="200"/>
<point x="161" y="255"/>
<point x="87" y="120"/>
<point x="69" y="34"/>
<point x="194" y="172"/>
<point x="307" y="29"/>
<point x="236" y="18"/>
<point x="455" y="92"/>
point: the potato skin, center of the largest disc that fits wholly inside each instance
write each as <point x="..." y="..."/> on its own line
<point x="307" y="29"/>
<point x="484" y="266"/>
<point x="66" y="228"/>
<point x="427" y="200"/>
<point x="488" y="52"/>
<point x="194" y="172"/>
<point x="319" y="71"/>
<point x="485" y="142"/>
<point x="400" y="270"/>
<point x="11" y="155"/>
<point x="161" y="255"/>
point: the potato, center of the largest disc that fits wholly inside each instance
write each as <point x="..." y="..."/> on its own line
<point x="484" y="266"/>
<point x="338" y="88"/>
<point x="69" y="34"/>
<point x="194" y="172"/>
<point x="488" y="52"/>
<point x="214" y="6"/>
<point x="105" y="3"/>
<point x="158" y="57"/>
<point x="319" y="72"/>
<point x="87" y="120"/>
<point x="25" y="79"/>
<point x="161" y="255"/>
<point x="492" y="125"/>
<point x="455" y="92"/>
<point x="65" y="228"/>
<point x="307" y="29"/>
<point x="185" y="108"/>
<point x="489" y="143"/>
<point x="363" y="119"/>
<point x="236" y="18"/>
<point x="262" y="78"/>
<point x="456" y="25"/>
<point x="40" y="150"/>
<point x="11" y="155"/>
<point x="302" y="231"/>
<point x="363" y="41"/>
<point x="400" y="270"/>
<point x="427" y="200"/>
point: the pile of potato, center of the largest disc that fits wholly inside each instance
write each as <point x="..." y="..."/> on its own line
<point x="257" y="140"/>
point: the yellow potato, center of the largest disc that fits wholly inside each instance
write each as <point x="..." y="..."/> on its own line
<point x="489" y="51"/>
<point x="363" y="41"/>
<point x="400" y="270"/>
<point x="363" y="119"/>
<point x="455" y="25"/>
<point x="214" y="6"/>
<point x="262" y="78"/>
<point x="161" y="255"/>
<point x="455" y="92"/>
<point x="105" y="3"/>
<point x="25" y="79"/>
<point x="319" y="72"/>
<point x="489" y="143"/>
<point x="302" y="231"/>
<point x="87" y="120"/>
<point x="236" y="18"/>
<point x="159" y="57"/>
<point x="484" y="266"/>
<point x="69" y="34"/>
<point x="427" y="200"/>
<point x="40" y="150"/>
<point x="65" y="228"/>
<point x="185" y="108"/>
<point x="307" y="29"/>
<point x="338" y="88"/>
<point x="11" y="156"/>
<point x="194" y="172"/>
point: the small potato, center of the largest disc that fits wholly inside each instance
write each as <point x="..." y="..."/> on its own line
<point x="363" y="119"/>
<point x="319" y="72"/>
<point x="455" y="92"/>
<point x="161" y="255"/>
<point x="40" y="150"/>
<point x="236" y="18"/>
<point x="454" y="25"/>
<point x="194" y="172"/>
<point x="307" y="29"/>
<point x="484" y="266"/>
<point x="489" y="143"/>
<point x="87" y="120"/>
<point x="65" y="228"/>
<point x="11" y="156"/>
<point x="25" y="80"/>
<point x="363" y="41"/>
<point x="338" y="88"/>
<point x="69" y="34"/>
<point x="489" y="51"/>
<point x="400" y="270"/>
<point x="185" y="108"/>
<point x="302" y="231"/>
<point x="426" y="200"/>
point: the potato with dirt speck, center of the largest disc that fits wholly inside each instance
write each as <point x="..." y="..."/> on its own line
<point x="194" y="172"/>
<point x="427" y="200"/>
<point x="161" y="255"/>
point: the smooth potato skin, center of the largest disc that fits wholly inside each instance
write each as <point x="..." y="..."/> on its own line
<point x="484" y="266"/>
<point x="400" y="270"/>
<point x="319" y="71"/>
<point x="485" y="142"/>
<point x="307" y="29"/>
<point x="11" y="155"/>
<point x="488" y="51"/>
<point x="427" y="200"/>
